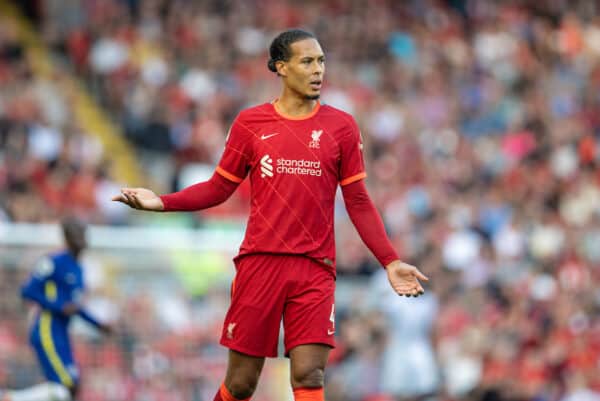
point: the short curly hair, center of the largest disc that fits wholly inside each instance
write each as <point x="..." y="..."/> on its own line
<point x="280" y="46"/>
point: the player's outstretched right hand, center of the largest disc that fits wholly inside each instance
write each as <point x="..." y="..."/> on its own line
<point x="140" y="198"/>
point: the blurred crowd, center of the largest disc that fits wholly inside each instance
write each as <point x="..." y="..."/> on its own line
<point x="481" y="122"/>
<point x="48" y="163"/>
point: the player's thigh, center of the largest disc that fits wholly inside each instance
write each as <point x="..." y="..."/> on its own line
<point x="309" y="314"/>
<point x="307" y="364"/>
<point x="56" y="361"/>
<point x="253" y="320"/>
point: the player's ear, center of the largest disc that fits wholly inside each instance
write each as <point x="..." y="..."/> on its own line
<point x="281" y="68"/>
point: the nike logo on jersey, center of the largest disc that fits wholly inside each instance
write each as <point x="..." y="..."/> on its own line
<point x="263" y="136"/>
<point x="330" y="332"/>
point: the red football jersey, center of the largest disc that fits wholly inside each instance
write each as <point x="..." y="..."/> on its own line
<point x="295" y="165"/>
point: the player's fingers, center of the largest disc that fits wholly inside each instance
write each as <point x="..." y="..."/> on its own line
<point x="127" y="190"/>
<point x="119" y="198"/>
<point x="124" y="199"/>
<point x="403" y="290"/>
<point x="130" y="200"/>
<point x="136" y="201"/>
<point x="419" y="290"/>
<point x="420" y="275"/>
<point x="413" y="290"/>
<point x="399" y="290"/>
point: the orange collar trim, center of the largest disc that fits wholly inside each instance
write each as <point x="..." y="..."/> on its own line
<point x="304" y="117"/>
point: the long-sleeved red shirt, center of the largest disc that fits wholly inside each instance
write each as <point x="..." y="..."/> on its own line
<point x="295" y="165"/>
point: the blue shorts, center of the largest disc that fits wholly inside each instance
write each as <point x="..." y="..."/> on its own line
<point x="52" y="347"/>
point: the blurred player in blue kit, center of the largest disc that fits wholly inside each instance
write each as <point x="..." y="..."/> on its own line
<point x="56" y="286"/>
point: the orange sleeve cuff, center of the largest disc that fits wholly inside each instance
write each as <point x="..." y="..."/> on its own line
<point x="228" y="175"/>
<point x="353" y="178"/>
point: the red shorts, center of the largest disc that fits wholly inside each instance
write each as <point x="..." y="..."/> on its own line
<point x="268" y="288"/>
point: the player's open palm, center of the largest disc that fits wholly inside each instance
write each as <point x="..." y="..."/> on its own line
<point x="140" y="198"/>
<point x="404" y="279"/>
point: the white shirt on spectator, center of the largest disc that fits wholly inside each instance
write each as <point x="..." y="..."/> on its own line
<point x="409" y="366"/>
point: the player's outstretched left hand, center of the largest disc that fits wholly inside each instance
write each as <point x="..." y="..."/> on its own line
<point x="404" y="279"/>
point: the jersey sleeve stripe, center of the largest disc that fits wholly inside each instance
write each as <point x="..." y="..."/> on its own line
<point x="353" y="178"/>
<point x="228" y="175"/>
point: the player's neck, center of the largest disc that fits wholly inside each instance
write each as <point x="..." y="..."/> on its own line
<point x="74" y="252"/>
<point x="294" y="106"/>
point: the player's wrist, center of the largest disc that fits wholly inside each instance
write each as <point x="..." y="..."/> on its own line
<point x="163" y="203"/>
<point x="159" y="205"/>
<point x="70" y="308"/>
<point x="106" y="328"/>
<point x="393" y="262"/>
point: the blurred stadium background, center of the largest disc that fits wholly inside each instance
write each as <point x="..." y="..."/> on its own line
<point x="482" y="125"/>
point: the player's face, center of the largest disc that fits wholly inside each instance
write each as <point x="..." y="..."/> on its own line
<point x="303" y="72"/>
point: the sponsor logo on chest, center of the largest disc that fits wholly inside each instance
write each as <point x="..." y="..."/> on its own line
<point x="269" y="167"/>
<point x="289" y="166"/>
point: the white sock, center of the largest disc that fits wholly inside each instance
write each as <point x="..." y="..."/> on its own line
<point x="41" y="392"/>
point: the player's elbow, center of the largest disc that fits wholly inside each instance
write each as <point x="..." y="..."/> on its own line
<point x="357" y="203"/>
<point x="221" y="199"/>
